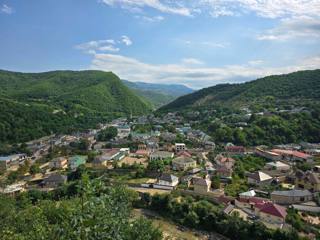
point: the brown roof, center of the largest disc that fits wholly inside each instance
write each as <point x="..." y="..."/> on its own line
<point x="201" y="182"/>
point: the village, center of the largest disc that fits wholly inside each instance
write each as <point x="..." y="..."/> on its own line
<point x="154" y="155"/>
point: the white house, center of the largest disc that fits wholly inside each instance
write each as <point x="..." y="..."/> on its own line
<point x="180" y="147"/>
<point x="167" y="181"/>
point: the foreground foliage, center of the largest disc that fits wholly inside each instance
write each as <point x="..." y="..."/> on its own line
<point x="96" y="212"/>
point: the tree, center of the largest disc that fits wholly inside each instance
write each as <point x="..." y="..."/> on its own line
<point x="215" y="182"/>
<point x="34" y="169"/>
<point x="107" y="134"/>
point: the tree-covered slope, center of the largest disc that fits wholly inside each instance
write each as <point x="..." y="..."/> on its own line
<point x="36" y="104"/>
<point x="303" y="85"/>
<point x="158" y="94"/>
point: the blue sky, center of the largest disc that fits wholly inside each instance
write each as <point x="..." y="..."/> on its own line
<point x="194" y="42"/>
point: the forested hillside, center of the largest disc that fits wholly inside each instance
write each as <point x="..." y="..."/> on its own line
<point x="158" y="94"/>
<point x="271" y="110"/>
<point x="36" y="104"/>
<point x="298" y="86"/>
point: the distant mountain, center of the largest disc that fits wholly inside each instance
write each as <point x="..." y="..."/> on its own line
<point x="294" y="87"/>
<point x="36" y="104"/>
<point x="158" y="94"/>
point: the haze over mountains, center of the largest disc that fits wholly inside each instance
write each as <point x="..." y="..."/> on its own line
<point x="158" y="94"/>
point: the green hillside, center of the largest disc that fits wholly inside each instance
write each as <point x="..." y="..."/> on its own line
<point x="158" y="94"/>
<point x="293" y="87"/>
<point x="36" y="104"/>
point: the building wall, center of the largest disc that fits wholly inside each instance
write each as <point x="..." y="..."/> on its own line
<point x="289" y="199"/>
<point x="201" y="189"/>
<point x="270" y="218"/>
<point x="165" y="183"/>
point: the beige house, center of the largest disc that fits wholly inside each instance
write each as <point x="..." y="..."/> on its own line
<point x="201" y="185"/>
<point x="271" y="213"/>
<point x="291" y="196"/>
<point x="279" y="166"/>
<point x="183" y="163"/>
<point x="59" y="163"/>
<point x="259" y="178"/>
<point x="307" y="180"/>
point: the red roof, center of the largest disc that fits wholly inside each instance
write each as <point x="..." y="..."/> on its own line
<point x="142" y="152"/>
<point x="184" y="154"/>
<point x="293" y="153"/>
<point x="274" y="209"/>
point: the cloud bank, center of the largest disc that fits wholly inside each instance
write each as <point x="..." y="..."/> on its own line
<point x="190" y="73"/>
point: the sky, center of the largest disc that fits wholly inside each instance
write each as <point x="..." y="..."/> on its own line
<point x="198" y="43"/>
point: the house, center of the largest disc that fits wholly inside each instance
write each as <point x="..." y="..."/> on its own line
<point x="279" y="166"/>
<point x="13" y="189"/>
<point x="183" y="163"/>
<point x="160" y="155"/>
<point x="179" y="147"/>
<point x="7" y="161"/>
<point x="226" y="162"/>
<point x="222" y="171"/>
<point x="307" y="180"/>
<point x="291" y="196"/>
<point x="152" y="145"/>
<point x="141" y="153"/>
<point x="201" y="185"/>
<point x="292" y="155"/>
<point x="54" y="180"/>
<point x="268" y="154"/>
<point x="59" y="163"/>
<point x="110" y="155"/>
<point x="249" y="203"/>
<point x="168" y="137"/>
<point x="75" y="161"/>
<point x="123" y="131"/>
<point x="259" y="178"/>
<point x="209" y="145"/>
<point x="247" y="195"/>
<point x="235" y="150"/>
<point x="184" y="154"/>
<point x="142" y="146"/>
<point x="271" y="213"/>
<point x="167" y="181"/>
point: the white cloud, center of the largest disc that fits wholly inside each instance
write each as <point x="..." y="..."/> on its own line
<point x="293" y="28"/>
<point x="193" y="76"/>
<point x="155" y="4"/>
<point x="126" y="40"/>
<point x="6" y="9"/>
<point x="206" y="44"/>
<point x="192" y="61"/>
<point x="109" y="48"/>
<point x="216" y="8"/>
<point x="150" y="19"/>
<point x="107" y="45"/>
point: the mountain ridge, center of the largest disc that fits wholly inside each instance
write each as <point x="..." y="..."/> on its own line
<point x="78" y="99"/>
<point x="301" y="84"/>
<point x="158" y="94"/>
